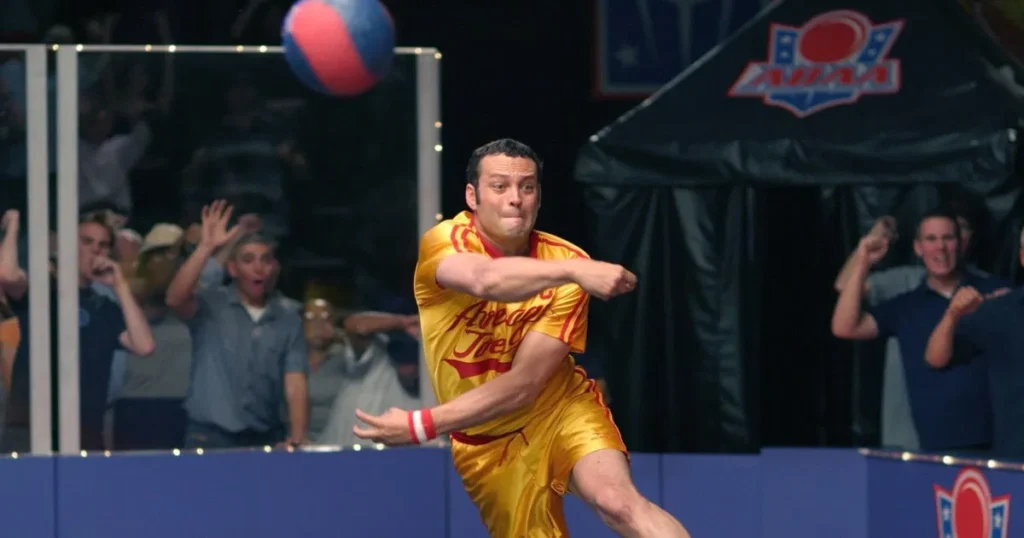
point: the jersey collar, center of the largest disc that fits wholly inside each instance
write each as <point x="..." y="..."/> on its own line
<point x="491" y="249"/>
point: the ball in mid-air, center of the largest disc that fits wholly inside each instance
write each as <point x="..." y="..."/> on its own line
<point x="339" y="47"/>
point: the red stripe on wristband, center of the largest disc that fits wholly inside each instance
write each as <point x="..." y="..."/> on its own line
<point x="412" y="428"/>
<point x="428" y="424"/>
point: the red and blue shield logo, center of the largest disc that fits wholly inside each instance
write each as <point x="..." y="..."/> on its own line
<point x="969" y="511"/>
<point x="834" y="59"/>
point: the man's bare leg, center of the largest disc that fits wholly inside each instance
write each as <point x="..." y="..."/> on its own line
<point x="603" y="481"/>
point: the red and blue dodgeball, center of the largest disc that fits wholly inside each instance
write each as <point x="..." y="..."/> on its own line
<point x="339" y="47"/>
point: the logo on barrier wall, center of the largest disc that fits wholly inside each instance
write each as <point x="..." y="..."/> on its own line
<point x="833" y="59"/>
<point x="969" y="511"/>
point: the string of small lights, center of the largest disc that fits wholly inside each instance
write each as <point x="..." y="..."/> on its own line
<point x="943" y="459"/>
<point x="267" y="449"/>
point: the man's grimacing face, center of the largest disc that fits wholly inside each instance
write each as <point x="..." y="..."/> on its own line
<point x="506" y="198"/>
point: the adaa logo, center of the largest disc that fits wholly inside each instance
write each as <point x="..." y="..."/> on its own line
<point x="833" y="59"/>
<point x="969" y="511"/>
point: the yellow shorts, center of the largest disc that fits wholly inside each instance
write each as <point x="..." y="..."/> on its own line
<point x="517" y="480"/>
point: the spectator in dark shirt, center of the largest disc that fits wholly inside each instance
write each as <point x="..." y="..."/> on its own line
<point x="989" y="327"/>
<point x="105" y="326"/>
<point x="950" y="408"/>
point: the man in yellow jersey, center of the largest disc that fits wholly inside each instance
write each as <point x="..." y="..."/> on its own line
<point x="501" y="307"/>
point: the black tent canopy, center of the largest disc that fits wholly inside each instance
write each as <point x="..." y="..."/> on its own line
<point x="736" y="191"/>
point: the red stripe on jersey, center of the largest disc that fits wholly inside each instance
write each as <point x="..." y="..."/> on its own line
<point x="459" y="236"/>
<point x="467" y="369"/>
<point x="563" y="245"/>
<point x="573" y="319"/>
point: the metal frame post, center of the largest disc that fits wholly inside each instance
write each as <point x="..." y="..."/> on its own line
<point x="37" y="257"/>
<point x="428" y="185"/>
<point x="67" y="249"/>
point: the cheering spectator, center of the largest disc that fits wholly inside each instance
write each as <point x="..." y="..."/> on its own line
<point x="371" y="382"/>
<point x="987" y="327"/>
<point x="148" y="413"/>
<point x="247" y="350"/>
<point x="106" y="326"/>
<point x="951" y="409"/>
<point x="898" y="430"/>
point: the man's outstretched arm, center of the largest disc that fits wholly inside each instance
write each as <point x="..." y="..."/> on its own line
<point x="534" y="364"/>
<point x="512" y="279"/>
<point x="549" y="341"/>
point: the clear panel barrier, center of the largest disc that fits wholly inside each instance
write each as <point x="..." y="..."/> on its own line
<point x="25" y="368"/>
<point x="334" y="186"/>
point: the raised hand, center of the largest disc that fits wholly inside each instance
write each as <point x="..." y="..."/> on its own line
<point x="10" y="220"/>
<point x="884" y="227"/>
<point x="106" y="271"/>
<point x="412" y="327"/>
<point x="604" y="280"/>
<point x="215" y="218"/>
<point x="872" y="248"/>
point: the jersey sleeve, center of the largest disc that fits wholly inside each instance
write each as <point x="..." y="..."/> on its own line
<point x="566" y="317"/>
<point x="436" y="245"/>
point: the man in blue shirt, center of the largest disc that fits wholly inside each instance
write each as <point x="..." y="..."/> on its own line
<point x="248" y="350"/>
<point x="989" y="327"/>
<point x="105" y="327"/>
<point x="951" y="408"/>
<point x="897" y="421"/>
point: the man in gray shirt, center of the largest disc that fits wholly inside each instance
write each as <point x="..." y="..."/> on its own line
<point x="247" y="350"/>
<point x="898" y="429"/>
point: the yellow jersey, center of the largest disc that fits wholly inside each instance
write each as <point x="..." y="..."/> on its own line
<point x="469" y="341"/>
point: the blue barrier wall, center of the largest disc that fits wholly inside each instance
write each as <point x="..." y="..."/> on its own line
<point x="415" y="492"/>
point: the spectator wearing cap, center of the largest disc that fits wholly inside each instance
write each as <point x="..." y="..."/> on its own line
<point x="149" y="415"/>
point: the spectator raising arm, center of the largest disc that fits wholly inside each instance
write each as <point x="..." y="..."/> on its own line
<point x="885" y="228"/>
<point x="13" y="280"/>
<point x="848" y="320"/>
<point x="181" y="292"/>
<point x="943" y="345"/>
<point x="367" y="323"/>
<point x="137" y="337"/>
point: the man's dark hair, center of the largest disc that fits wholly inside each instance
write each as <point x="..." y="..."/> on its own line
<point x="505" y="146"/>
<point x="101" y="219"/>
<point x="941" y="212"/>
<point x="101" y="206"/>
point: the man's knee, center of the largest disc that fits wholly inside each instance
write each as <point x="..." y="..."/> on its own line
<point x="620" y="506"/>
